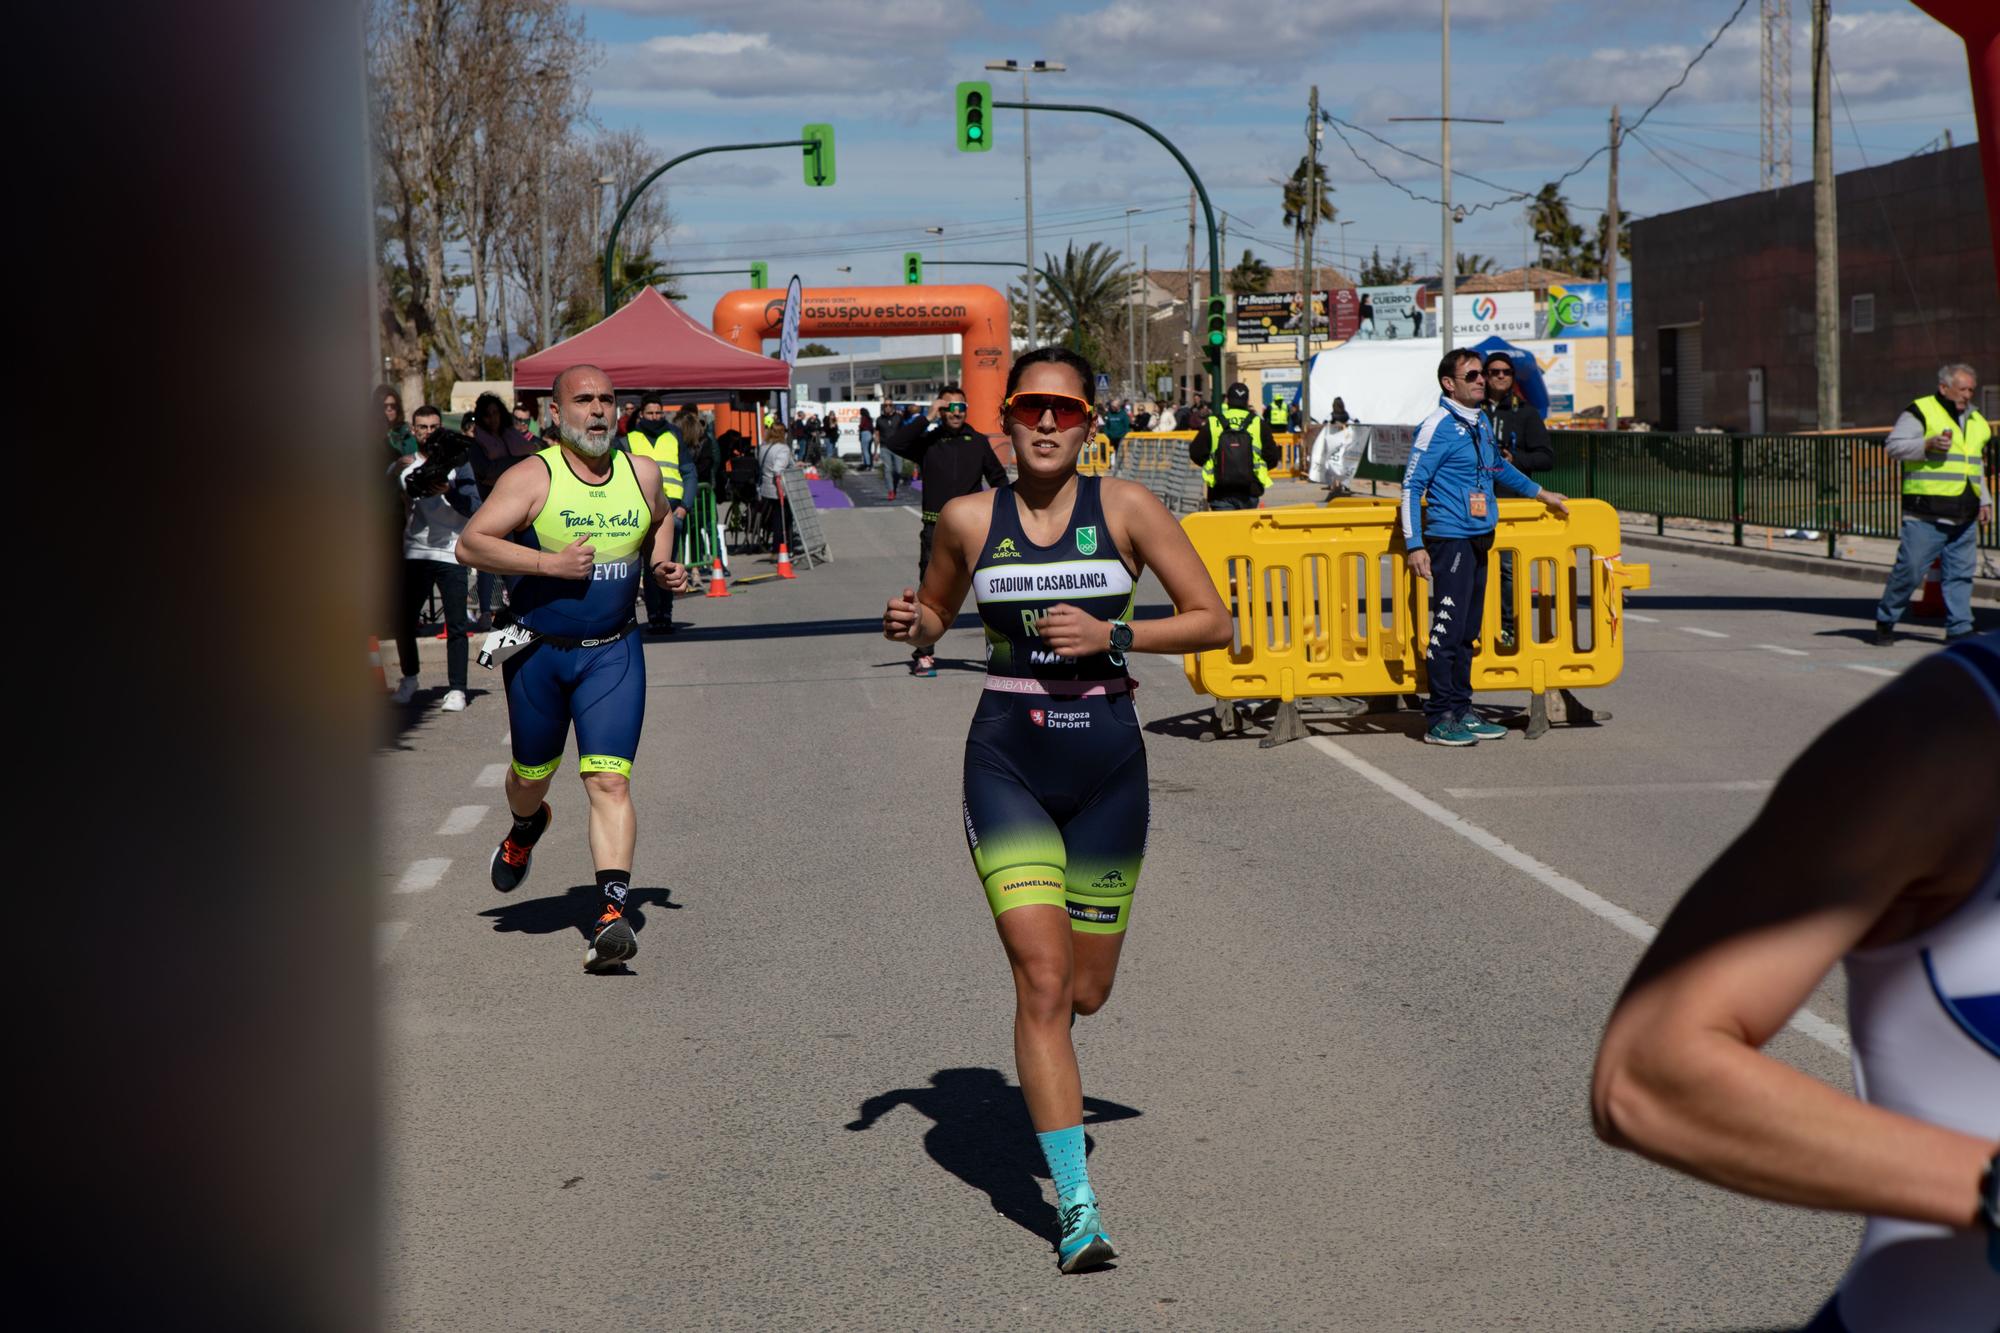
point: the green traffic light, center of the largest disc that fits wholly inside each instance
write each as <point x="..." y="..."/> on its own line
<point x="1216" y="340"/>
<point x="974" y="132"/>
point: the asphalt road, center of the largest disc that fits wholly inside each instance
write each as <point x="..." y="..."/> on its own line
<point x="1342" y="1083"/>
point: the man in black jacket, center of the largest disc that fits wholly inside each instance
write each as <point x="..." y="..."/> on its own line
<point x="955" y="459"/>
<point x="1524" y="442"/>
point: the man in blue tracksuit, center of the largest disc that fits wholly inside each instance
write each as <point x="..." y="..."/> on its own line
<point x="1449" y="512"/>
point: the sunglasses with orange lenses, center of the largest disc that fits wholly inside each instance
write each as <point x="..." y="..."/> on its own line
<point x="1027" y="409"/>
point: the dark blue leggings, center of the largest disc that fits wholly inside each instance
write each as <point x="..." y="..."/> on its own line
<point x="1458" y="600"/>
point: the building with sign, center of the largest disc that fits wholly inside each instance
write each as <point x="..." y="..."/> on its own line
<point x="904" y="370"/>
<point x="1724" y="299"/>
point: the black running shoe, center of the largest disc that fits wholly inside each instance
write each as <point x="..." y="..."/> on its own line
<point x="511" y="858"/>
<point x="612" y="943"/>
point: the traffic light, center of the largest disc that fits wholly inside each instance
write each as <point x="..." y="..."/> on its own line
<point x="974" y="135"/>
<point x="760" y="275"/>
<point x="818" y="154"/>
<point x="913" y="269"/>
<point x="1218" y="322"/>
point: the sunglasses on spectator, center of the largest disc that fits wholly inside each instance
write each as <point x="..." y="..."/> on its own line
<point x="1491" y="371"/>
<point x="1472" y="376"/>
<point x="954" y="407"/>
<point x="1029" y="408"/>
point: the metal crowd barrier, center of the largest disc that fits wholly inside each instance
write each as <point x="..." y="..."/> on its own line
<point x="1323" y="606"/>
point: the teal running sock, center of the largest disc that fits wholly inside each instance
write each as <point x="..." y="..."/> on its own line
<point x="1064" y="1150"/>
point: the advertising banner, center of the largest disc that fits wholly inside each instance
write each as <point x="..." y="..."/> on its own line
<point x="1268" y="317"/>
<point x="1579" y="309"/>
<point x="1509" y="315"/>
<point x="1387" y="313"/>
<point x="1346" y="313"/>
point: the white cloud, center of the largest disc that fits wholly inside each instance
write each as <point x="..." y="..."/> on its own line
<point x="1218" y="34"/>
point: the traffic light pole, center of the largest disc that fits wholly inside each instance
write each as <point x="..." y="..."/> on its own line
<point x="611" y="241"/>
<point x="1214" y="248"/>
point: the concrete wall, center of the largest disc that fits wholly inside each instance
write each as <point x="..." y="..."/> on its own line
<point x="1742" y="269"/>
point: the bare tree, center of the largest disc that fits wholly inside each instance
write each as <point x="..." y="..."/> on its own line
<point x="470" y="99"/>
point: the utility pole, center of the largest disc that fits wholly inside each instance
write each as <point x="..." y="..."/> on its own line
<point x="1611" y="286"/>
<point x="1450" y="265"/>
<point x="1307" y="285"/>
<point x="1131" y="303"/>
<point x="1028" y="196"/>
<point x="1826" y="231"/>
<point x="1194" y="304"/>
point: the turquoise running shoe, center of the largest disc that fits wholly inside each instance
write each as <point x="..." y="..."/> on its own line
<point x="1084" y="1244"/>
<point x="1480" y="727"/>
<point x="1449" y="732"/>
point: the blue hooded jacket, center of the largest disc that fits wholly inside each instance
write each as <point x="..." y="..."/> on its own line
<point x="1454" y="455"/>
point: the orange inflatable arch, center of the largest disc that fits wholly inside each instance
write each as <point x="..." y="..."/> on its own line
<point x="979" y="315"/>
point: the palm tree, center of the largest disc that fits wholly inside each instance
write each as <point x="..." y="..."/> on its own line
<point x="1559" y="242"/>
<point x="1300" y="207"/>
<point x="1090" y="289"/>
<point x="1250" y="275"/>
<point x="1471" y="264"/>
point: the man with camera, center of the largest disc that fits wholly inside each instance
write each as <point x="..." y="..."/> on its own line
<point x="441" y="495"/>
<point x="955" y="459"/>
<point x="570" y="530"/>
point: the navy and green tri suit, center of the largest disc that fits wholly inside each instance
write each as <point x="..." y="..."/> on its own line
<point x="587" y="666"/>
<point x="1056" y="804"/>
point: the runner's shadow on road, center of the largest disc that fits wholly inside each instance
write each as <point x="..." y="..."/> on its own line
<point x="1199" y="725"/>
<point x="943" y="663"/>
<point x="984" y="1137"/>
<point x="573" y="909"/>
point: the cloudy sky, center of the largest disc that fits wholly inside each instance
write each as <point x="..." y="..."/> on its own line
<point x="1231" y="92"/>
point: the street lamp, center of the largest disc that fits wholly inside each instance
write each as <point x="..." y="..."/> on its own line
<point x="1344" y="225"/>
<point x="1027" y="165"/>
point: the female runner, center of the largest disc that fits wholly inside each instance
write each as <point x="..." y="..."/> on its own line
<point x="1055" y="800"/>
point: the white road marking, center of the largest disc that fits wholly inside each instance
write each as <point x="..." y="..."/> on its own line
<point x="1788" y="652"/>
<point x="1638" y="788"/>
<point x="1705" y="633"/>
<point x="462" y="819"/>
<point x="491" y="776"/>
<point x="386" y="935"/>
<point x="1809" y="1025"/>
<point x="1643" y="620"/>
<point x="1872" y="671"/>
<point x="423" y="874"/>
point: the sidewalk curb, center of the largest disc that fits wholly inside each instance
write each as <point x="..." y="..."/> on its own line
<point x="1983" y="590"/>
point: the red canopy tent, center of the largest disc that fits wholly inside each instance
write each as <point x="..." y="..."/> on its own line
<point x="650" y="346"/>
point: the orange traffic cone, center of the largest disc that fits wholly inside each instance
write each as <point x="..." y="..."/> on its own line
<point x="785" y="562"/>
<point x="375" y="664"/>
<point x="716" y="587"/>
<point x="1932" y="601"/>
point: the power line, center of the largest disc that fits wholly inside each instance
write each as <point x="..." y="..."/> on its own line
<point x="1512" y="195"/>
<point x="1888" y="223"/>
<point x="1640" y="140"/>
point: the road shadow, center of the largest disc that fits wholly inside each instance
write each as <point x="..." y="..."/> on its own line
<point x="788" y="629"/>
<point x="575" y="908"/>
<point x="965" y="664"/>
<point x="1199" y="725"/>
<point x="1861" y="606"/>
<point x="983" y="1136"/>
<point x="404" y="720"/>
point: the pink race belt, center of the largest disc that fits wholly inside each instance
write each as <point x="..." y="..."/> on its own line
<point x="1060" y="689"/>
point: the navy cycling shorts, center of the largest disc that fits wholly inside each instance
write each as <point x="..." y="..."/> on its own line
<point x="601" y="689"/>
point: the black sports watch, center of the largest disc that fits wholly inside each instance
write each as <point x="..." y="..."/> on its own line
<point x="1121" y="641"/>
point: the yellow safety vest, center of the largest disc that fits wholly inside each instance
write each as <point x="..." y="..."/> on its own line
<point x="1281" y="415"/>
<point x="1958" y="469"/>
<point x="1243" y="419"/>
<point x="666" y="451"/>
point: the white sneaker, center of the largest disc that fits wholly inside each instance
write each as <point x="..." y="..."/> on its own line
<point x="405" y="691"/>
<point x="454" y="702"/>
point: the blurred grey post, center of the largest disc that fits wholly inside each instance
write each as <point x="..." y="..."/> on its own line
<point x="191" y="839"/>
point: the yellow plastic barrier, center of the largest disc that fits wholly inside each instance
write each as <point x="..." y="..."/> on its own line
<point x="1324" y="607"/>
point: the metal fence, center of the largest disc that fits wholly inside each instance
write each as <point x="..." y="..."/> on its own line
<point x="1836" y="486"/>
